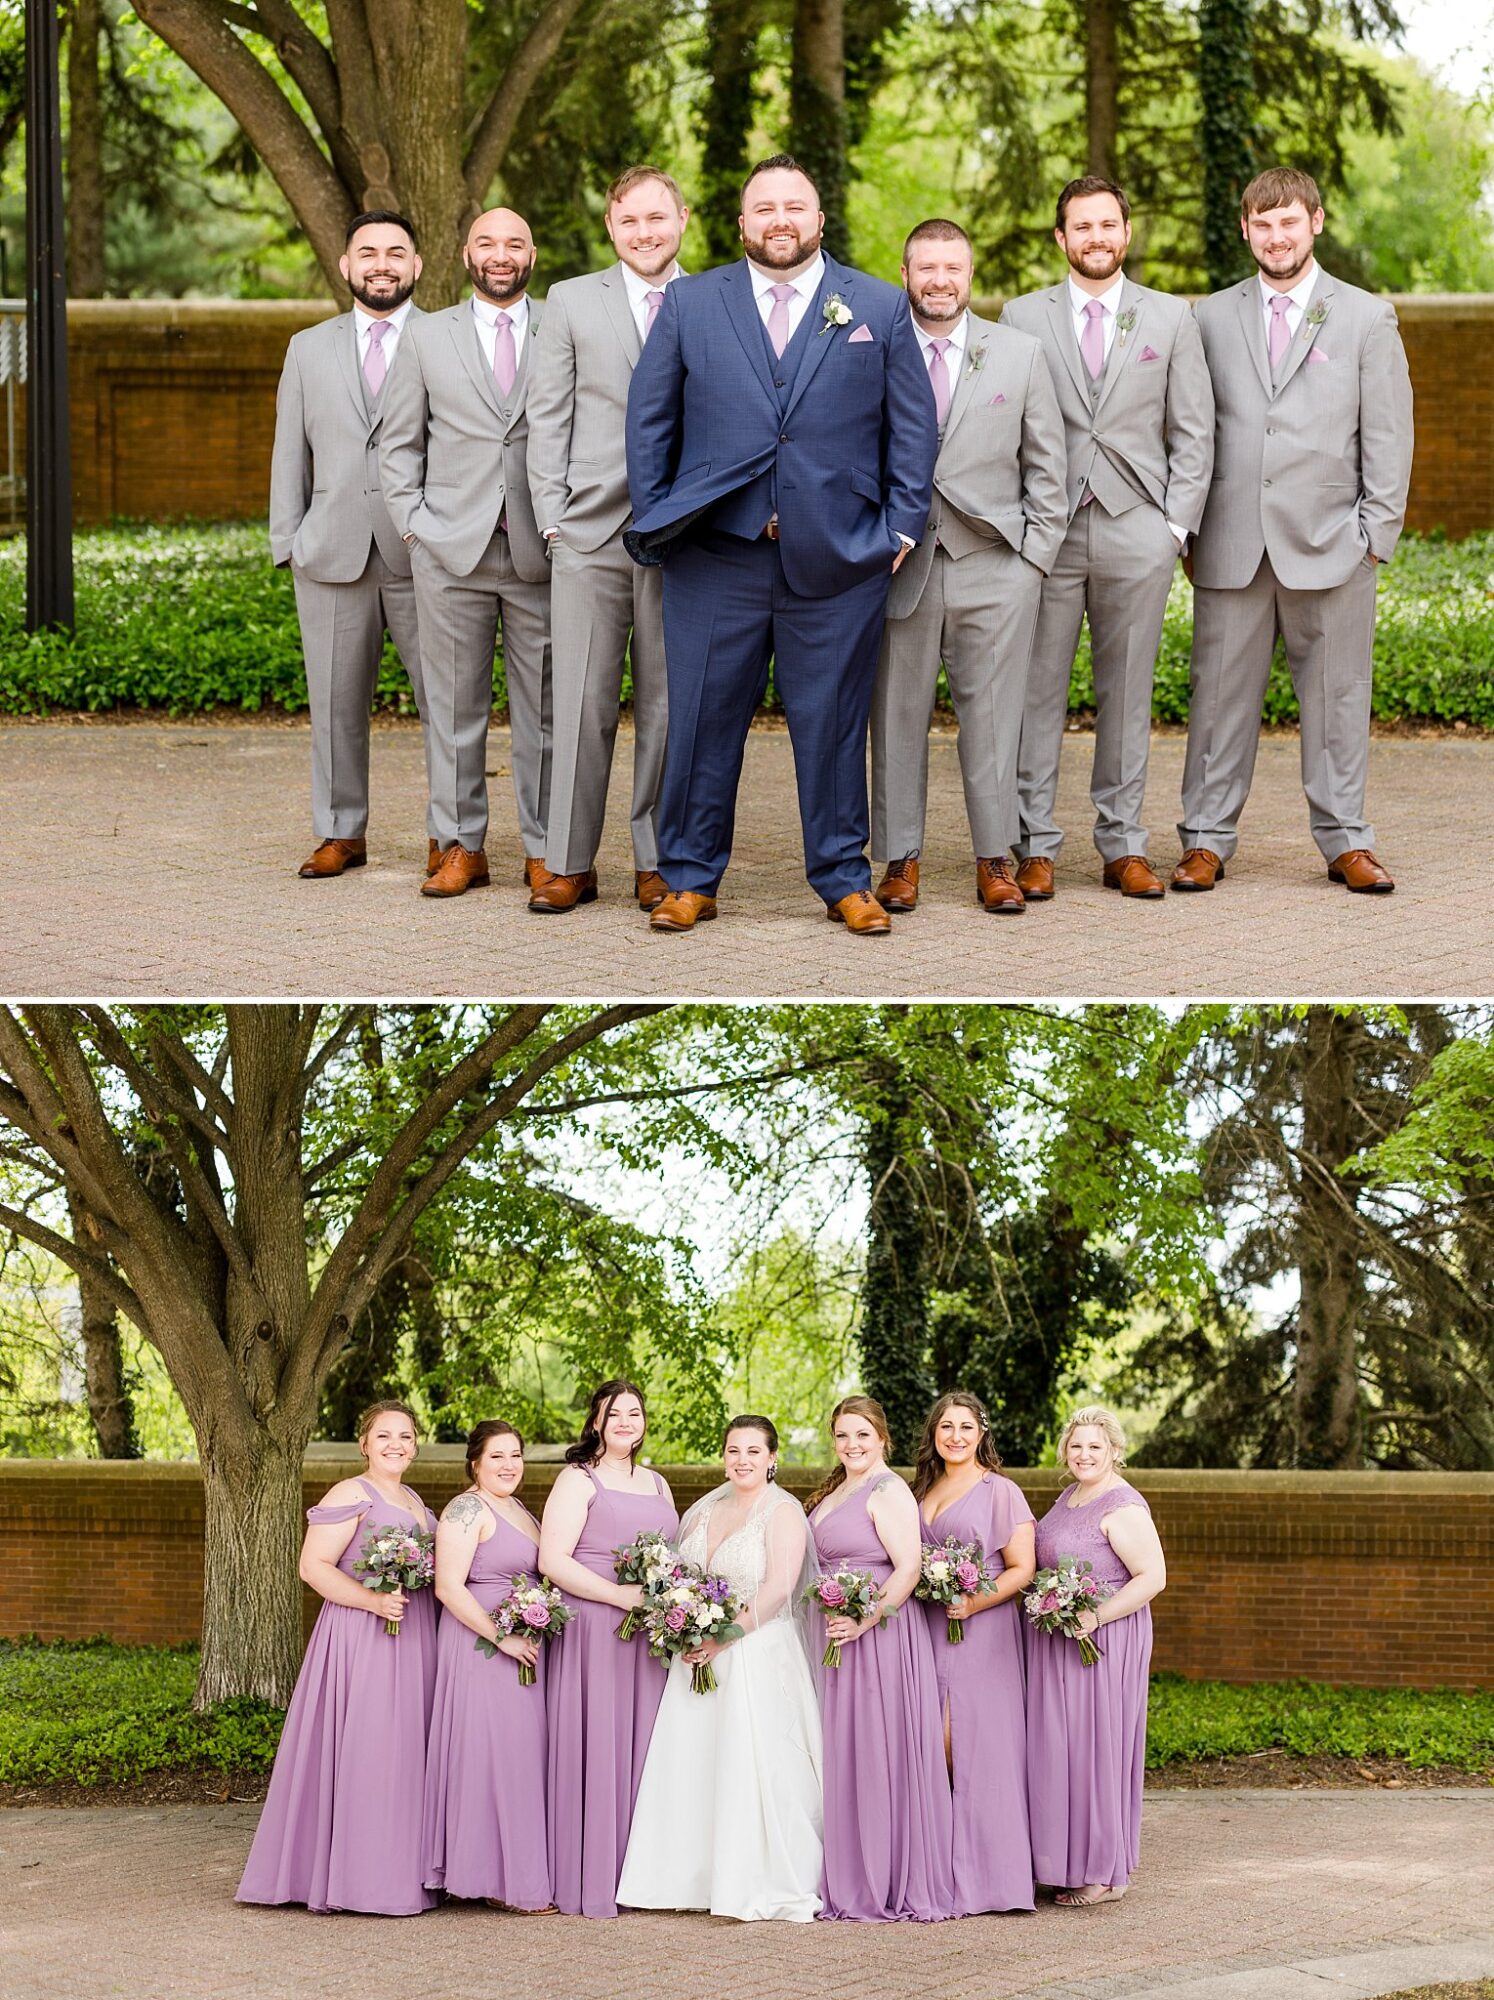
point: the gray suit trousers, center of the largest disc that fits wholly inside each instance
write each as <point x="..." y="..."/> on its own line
<point x="1119" y="569"/>
<point x="342" y="637"/>
<point x="1330" y="639"/>
<point x="460" y="618"/>
<point x="979" y="614"/>
<point x="598" y="599"/>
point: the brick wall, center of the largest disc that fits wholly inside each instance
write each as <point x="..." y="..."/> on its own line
<point x="174" y="405"/>
<point x="1375" y="1579"/>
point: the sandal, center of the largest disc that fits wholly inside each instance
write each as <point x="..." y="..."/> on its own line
<point x="1087" y="1897"/>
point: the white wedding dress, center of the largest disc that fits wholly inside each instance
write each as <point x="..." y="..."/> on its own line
<point x="729" y="1815"/>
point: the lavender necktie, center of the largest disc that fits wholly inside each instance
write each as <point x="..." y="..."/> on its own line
<point x="505" y="361"/>
<point x="778" y="326"/>
<point x="939" y="377"/>
<point x="1281" y="333"/>
<point x="375" y="366"/>
<point x="655" y="300"/>
<point x="1092" y="340"/>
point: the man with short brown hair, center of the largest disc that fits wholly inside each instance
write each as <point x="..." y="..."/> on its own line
<point x="1312" y="463"/>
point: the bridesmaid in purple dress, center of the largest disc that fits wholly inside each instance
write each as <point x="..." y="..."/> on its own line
<point x="340" y="1829"/>
<point x="958" y="1485"/>
<point x="887" y="1812"/>
<point x="485" y="1770"/>
<point x="1086" y="1726"/>
<point x="602" y="1694"/>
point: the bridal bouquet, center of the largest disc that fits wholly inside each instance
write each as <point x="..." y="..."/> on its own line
<point x="1055" y="1598"/>
<point x="651" y="1562"/>
<point x="953" y="1569"/>
<point x="396" y="1559"/>
<point x="843" y="1593"/>
<point x="530" y="1611"/>
<point x="692" y="1609"/>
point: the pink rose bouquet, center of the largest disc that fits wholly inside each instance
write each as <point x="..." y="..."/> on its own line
<point x="843" y="1593"/>
<point x="1055" y="1598"/>
<point x="651" y="1562"/>
<point x="692" y="1609"/>
<point x="530" y="1611"/>
<point x="396" y="1559"/>
<point x="953" y="1569"/>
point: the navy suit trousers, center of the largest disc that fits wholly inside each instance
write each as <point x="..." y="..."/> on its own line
<point x="727" y="612"/>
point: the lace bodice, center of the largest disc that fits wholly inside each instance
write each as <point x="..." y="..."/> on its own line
<point x="760" y="1559"/>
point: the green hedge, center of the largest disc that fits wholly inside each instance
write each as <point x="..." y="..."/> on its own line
<point x="192" y="618"/>
<point x="96" y="1712"/>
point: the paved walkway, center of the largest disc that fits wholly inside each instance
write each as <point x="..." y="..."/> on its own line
<point x="157" y="860"/>
<point x="1241" y="1896"/>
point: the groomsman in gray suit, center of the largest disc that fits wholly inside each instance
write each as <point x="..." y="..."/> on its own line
<point x="328" y="522"/>
<point x="1139" y="414"/>
<point x="595" y="328"/>
<point x="1312" y="464"/>
<point x="969" y="592"/>
<point x="452" y="460"/>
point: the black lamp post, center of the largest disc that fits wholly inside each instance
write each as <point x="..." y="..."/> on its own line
<point x="49" y="494"/>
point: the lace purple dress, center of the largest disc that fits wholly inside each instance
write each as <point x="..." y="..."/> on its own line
<point x="485" y="1769"/>
<point x="1086" y="1726"/>
<point x="888" y="1827"/>
<point x="601" y="1699"/>
<point x="340" y="1829"/>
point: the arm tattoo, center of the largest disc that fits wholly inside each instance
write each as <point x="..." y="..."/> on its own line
<point x="463" y="1511"/>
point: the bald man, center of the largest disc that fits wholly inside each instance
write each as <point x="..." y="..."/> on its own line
<point x="453" y="465"/>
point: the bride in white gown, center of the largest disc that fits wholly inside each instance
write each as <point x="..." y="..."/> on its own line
<point x="729" y="1812"/>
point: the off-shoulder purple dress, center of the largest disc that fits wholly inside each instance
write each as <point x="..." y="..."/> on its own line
<point x="1086" y="1726"/>
<point x="982" y="1684"/>
<point x="485" y="1769"/>
<point x="888" y="1825"/>
<point x="340" y="1829"/>
<point x="601" y="1696"/>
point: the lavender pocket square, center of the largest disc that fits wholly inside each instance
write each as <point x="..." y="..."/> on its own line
<point x="1318" y="354"/>
<point x="863" y="332"/>
<point x="1149" y="354"/>
<point x="997" y="398"/>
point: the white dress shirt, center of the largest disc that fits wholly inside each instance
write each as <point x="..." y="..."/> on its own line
<point x="1110" y="299"/>
<point x="638" y="290"/>
<point x="486" y="315"/>
<point x="805" y="286"/>
<point x="1299" y="295"/>
<point x="395" y="322"/>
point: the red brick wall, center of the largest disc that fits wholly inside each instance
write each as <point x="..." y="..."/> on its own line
<point x="174" y="405"/>
<point x="1375" y="1579"/>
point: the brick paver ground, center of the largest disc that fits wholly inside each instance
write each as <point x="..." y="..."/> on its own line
<point x="1258" y="1894"/>
<point x="149" y="859"/>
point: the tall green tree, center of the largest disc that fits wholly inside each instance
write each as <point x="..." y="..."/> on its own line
<point x="1226" y="131"/>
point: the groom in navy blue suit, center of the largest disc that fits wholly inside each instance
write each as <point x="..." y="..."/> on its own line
<point x="781" y="444"/>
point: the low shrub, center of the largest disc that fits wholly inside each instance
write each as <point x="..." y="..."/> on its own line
<point x="1197" y="1719"/>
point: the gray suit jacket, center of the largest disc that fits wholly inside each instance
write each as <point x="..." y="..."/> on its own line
<point x="325" y="501"/>
<point x="1314" y="471"/>
<point x="1000" y="474"/>
<point x="578" y="410"/>
<point x="452" y="456"/>
<point x="1149" y="435"/>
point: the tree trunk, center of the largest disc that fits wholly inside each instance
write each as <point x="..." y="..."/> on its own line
<point x="420" y="54"/>
<point x="251" y="1597"/>
<point x="1327" y="1414"/>
<point x="109" y="1406"/>
<point x="894" y="1330"/>
<point x="725" y="122"/>
<point x="1226" y="80"/>
<point x="85" y="157"/>
<point x="817" y="111"/>
<point x="1101" y="85"/>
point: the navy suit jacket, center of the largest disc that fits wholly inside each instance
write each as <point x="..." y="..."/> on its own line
<point x="850" y="452"/>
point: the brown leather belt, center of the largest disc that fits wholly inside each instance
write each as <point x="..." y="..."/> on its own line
<point x="770" y="533"/>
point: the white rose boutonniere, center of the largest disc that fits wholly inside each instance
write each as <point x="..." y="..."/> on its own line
<point x="836" y="313"/>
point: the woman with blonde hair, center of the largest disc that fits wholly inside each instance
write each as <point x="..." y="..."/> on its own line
<point x="1086" y="1726"/>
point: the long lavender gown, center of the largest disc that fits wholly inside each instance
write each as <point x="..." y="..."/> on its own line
<point x="1086" y="1726"/>
<point x="982" y="1683"/>
<point x="888" y="1827"/>
<point x="340" y="1828"/>
<point x="601" y="1697"/>
<point x="485" y="1769"/>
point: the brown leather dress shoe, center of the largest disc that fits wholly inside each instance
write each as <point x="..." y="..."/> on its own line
<point x="650" y="888"/>
<point x="461" y="869"/>
<point x="1035" y="878"/>
<point x="332" y="857"/>
<point x="996" y="887"/>
<point x="536" y="874"/>
<point x="432" y="855"/>
<point x="861" y="913"/>
<point x="1359" y="871"/>
<point x="559" y="893"/>
<point x="1132" y="875"/>
<point x="682" y="910"/>
<point x="1200" y="868"/>
<point x="898" y="889"/>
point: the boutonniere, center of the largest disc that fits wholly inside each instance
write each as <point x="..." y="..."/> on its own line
<point x="1317" y="312"/>
<point x="976" y="362"/>
<point x="836" y="313"/>
<point x="1124" y="323"/>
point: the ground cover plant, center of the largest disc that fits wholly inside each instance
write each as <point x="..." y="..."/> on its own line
<point x="190" y="618"/>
